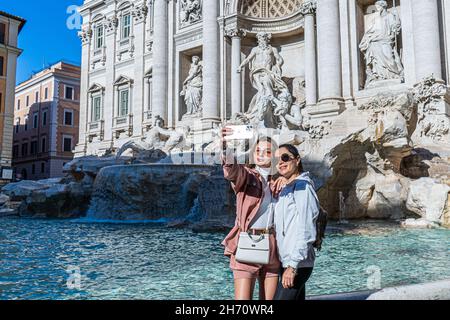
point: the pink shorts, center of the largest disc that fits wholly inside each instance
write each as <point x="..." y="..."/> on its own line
<point x="261" y="273"/>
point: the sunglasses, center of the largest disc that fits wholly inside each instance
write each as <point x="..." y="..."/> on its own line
<point x="285" y="158"/>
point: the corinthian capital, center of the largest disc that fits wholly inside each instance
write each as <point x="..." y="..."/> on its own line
<point x="235" y="32"/>
<point x="85" y="35"/>
<point x="111" y="24"/>
<point x="309" y="7"/>
<point x="140" y="12"/>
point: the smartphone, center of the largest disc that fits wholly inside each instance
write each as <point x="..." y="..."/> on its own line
<point x="241" y="132"/>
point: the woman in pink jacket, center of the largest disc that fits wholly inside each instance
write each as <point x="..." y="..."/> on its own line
<point x="253" y="188"/>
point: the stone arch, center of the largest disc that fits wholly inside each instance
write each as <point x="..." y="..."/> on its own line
<point x="98" y="20"/>
<point x="268" y="9"/>
<point x="123" y="5"/>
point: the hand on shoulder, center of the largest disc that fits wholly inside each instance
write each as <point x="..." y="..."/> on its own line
<point x="278" y="185"/>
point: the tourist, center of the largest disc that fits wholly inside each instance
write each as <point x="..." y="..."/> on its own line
<point x="296" y="213"/>
<point x="253" y="188"/>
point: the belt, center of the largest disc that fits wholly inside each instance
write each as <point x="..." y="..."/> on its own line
<point x="257" y="232"/>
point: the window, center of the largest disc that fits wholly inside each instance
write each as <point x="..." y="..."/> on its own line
<point x="44" y="118"/>
<point x="99" y="37"/>
<point x="35" y="120"/>
<point x="26" y="123"/>
<point x="42" y="167"/>
<point x="17" y="125"/>
<point x="43" y="145"/>
<point x="68" y="94"/>
<point x="33" y="169"/>
<point x="33" y="148"/>
<point x="67" y="144"/>
<point x="46" y="93"/>
<point x="36" y="97"/>
<point x="15" y="151"/>
<point x="124" y="100"/>
<point x="96" y="108"/>
<point x="2" y="33"/>
<point x="2" y="62"/>
<point x="18" y="104"/>
<point x="126" y="26"/>
<point x="24" y="149"/>
<point x="68" y="117"/>
<point x="28" y="101"/>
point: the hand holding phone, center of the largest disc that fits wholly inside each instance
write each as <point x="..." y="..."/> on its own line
<point x="238" y="132"/>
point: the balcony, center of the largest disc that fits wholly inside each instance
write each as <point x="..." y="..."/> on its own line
<point x="123" y="124"/>
<point x="96" y="129"/>
<point x="147" y="118"/>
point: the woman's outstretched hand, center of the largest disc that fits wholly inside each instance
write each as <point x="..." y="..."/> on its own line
<point x="225" y="132"/>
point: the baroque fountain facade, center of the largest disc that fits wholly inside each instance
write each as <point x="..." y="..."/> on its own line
<point x="360" y="87"/>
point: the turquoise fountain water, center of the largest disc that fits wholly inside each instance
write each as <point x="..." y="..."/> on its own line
<point x="149" y="261"/>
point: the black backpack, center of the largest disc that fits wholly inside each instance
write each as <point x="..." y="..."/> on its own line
<point x="321" y="226"/>
<point x="321" y="223"/>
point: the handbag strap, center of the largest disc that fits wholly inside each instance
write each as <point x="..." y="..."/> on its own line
<point x="271" y="212"/>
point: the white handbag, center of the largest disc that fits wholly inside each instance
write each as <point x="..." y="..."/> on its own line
<point x="255" y="249"/>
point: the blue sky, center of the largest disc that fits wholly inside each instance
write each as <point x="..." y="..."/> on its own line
<point x="45" y="38"/>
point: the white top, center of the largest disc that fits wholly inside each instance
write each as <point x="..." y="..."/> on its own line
<point x="296" y="214"/>
<point x="263" y="214"/>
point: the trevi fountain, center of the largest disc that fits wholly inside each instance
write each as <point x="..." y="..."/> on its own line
<point x="360" y="87"/>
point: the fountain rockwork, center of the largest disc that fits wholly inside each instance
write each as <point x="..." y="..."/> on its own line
<point x="388" y="156"/>
<point x="161" y="192"/>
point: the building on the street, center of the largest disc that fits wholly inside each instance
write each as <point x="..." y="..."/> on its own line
<point x="178" y="60"/>
<point x="46" y="121"/>
<point x="10" y="27"/>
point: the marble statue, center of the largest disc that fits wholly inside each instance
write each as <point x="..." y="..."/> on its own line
<point x="379" y="46"/>
<point x="156" y="138"/>
<point x="292" y="118"/>
<point x="191" y="11"/>
<point x="265" y="65"/>
<point x="193" y="88"/>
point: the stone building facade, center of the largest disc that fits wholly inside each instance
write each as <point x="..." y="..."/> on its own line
<point x="10" y="27"/>
<point x="46" y="122"/>
<point x="179" y="61"/>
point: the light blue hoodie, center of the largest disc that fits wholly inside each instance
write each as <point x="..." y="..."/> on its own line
<point x="296" y="214"/>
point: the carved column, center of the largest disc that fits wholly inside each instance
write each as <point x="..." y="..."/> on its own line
<point x="211" y="68"/>
<point x="329" y="57"/>
<point x="110" y="26"/>
<point x="309" y="10"/>
<point x="140" y="17"/>
<point x="160" y="59"/>
<point x="236" y="78"/>
<point x="85" y="36"/>
<point x="427" y="47"/>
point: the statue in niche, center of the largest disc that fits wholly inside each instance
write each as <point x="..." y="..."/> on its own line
<point x="191" y="11"/>
<point x="193" y="88"/>
<point x="379" y="46"/>
<point x="156" y="138"/>
<point x="265" y="65"/>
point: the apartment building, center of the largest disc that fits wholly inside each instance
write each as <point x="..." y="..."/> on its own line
<point x="46" y="121"/>
<point x="10" y="27"/>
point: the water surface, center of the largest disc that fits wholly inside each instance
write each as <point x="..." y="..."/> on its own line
<point x="149" y="261"/>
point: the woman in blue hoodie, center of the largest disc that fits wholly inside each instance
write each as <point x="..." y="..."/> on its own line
<point x="296" y="213"/>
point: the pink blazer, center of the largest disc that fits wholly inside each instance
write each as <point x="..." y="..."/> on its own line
<point x="247" y="185"/>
